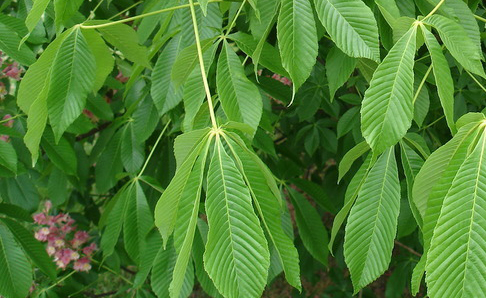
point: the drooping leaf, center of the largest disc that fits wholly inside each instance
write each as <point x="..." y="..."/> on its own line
<point x="138" y="221"/>
<point x="186" y="222"/>
<point x="33" y="248"/>
<point x="125" y="39"/>
<point x="61" y="154"/>
<point x="236" y="256"/>
<point x="65" y="10"/>
<point x="240" y="98"/>
<point x="352" y="27"/>
<point x="455" y="262"/>
<point x="35" y="13"/>
<point x="350" y="157"/>
<point x="339" y="67"/>
<point x="103" y="58"/>
<point x="387" y="109"/>
<point x="458" y="43"/>
<point x="131" y="150"/>
<point x="270" y="211"/>
<point x="443" y="78"/>
<point x="350" y="197"/>
<point x="15" y="269"/>
<point x="10" y="42"/>
<point x="164" y="92"/>
<point x="8" y="157"/>
<point x="72" y="77"/>
<point x="372" y="222"/>
<point x="109" y="164"/>
<point x="297" y="39"/>
<point x="168" y="204"/>
<point x="311" y="230"/>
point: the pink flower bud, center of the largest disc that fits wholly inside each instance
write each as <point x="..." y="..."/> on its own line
<point x="88" y="250"/>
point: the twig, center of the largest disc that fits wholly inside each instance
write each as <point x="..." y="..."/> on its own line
<point x="409" y="249"/>
<point x="93" y="131"/>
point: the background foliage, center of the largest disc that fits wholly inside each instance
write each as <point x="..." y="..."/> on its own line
<point x="277" y="148"/>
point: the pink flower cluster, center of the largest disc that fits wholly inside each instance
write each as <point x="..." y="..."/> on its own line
<point x="13" y="71"/>
<point x="64" y="242"/>
<point x="9" y="123"/>
<point x="284" y="80"/>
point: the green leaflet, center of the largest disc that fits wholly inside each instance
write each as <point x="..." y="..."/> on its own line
<point x="65" y="10"/>
<point x="168" y="205"/>
<point x="411" y="163"/>
<point x="458" y="43"/>
<point x="269" y="209"/>
<point x="352" y="26"/>
<point x="15" y="269"/>
<point x="350" y="197"/>
<point x="236" y="256"/>
<point x="103" y="58"/>
<point x="112" y="220"/>
<point x="197" y="255"/>
<point x="387" y="109"/>
<point x="186" y="221"/>
<point x="125" y="39"/>
<point x="311" y="230"/>
<point x="72" y="77"/>
<point x="350" y="157"/>
<point x="434" y="167"/>
<point x="8" y="158"/>
<point x="137" y="221"/>
<point x="297" y="39"/>
<point x="443" y="78"/>
<point x="33" y="248"/>
<point x="194" y="92"/>
<point x="339" y="67"/>
<point x="269" y="56"/>
<point x="109" y="164"/>
<point x="164" y="92"/>
<point x="372" y="222"/>
<point x="61" y="154"/>
<point x="455" y="262"/>
<point x="162" y="267"/>
<point x="35" y="13"/>
<point x="131" y="150"/>
<point x="240" y="98"/>
<point x="186" y="60"/>
<point x="10" y="43"/>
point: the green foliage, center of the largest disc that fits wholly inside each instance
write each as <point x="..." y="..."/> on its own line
<point x="221" y="146"/>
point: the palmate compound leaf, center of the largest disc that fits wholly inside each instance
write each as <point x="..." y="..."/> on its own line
<point x="352" y="26"/>
<point x="387" y="110"/>
<point x="456" y="261"/>
<point x="297" y="39"/>
<point x="240" y="98"/>
<point x="372" y="222"/>
<point x="268" y="205"/>
<point x="236" y="256"/>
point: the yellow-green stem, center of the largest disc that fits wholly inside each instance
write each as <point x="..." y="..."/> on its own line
<point x="201" y="65"/>
<point x="143" y="15"/>
<point x="233" y="22"/>
<point x="421" y="84"/>
<point x="153" y="149"/>
<point x="434" y="10"/>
